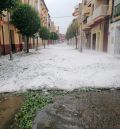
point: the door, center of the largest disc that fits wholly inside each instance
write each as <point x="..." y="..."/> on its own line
<point x="94" y="42"/>
<point x="117" y="41"/>
<point x="12" y="41"/>
<point x="88" y="36"/>
<point x="106" y="33"/>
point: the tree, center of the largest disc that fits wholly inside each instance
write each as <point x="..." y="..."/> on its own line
<point x="73" y="31"/>
<point x="54" y="36"/>
<point x="8" y="5"/>
<point x="44" y="34"/>
<point x="26" y="19"/>
<point x="69" y="33"/>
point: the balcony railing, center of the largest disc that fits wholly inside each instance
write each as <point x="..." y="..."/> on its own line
<point x="88" y="1"/>
<point x="89" y="19"/>
<point x="102" y="10"/>
<point x="77" y="6"/>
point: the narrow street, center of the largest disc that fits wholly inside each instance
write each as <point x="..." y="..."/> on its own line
<point x="58" y="66"/>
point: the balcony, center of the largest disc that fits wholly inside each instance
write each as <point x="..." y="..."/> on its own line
<point x="98" y="14"/>
<point x="88" y="2"/>
<point x="86" y="10"/>
<point x="85" y="27"/>
<point x="77" y="6"/>
<point x="101" y="11"/>
<point x="76" y="11"/>
<point x="89" y="19"/>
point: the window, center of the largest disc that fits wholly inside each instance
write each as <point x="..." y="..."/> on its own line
<point x="117" y="10"/>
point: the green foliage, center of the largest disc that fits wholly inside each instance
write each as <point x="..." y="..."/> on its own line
<point x="26" y="19"/>
<point x="8" y="4"/>
<point x="34" y="102"/>
<point x="44" y="33"/>
<point x="73" y="29"/>
<point x="69" y="33"/>
<point x="54" y="36"/>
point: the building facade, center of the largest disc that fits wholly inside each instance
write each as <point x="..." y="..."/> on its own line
<point x="5" y="36"/>
<point x="114" y="42"/>
<point x="44" y="15"/>
<point x="14" y="39"/>
<point x="96" y="18"/>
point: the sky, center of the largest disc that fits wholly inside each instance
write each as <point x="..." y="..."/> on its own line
<point x="60" y="8"/>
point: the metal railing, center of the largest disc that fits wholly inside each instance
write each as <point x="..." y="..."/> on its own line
<point x="102" y="10"/>
<point x="89" y="19"/>
<point x="88" y="1"/>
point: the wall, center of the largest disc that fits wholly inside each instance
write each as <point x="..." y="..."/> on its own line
<point x="114" y="42"/>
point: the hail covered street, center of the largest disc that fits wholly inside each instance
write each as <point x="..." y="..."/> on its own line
<point x="58" y="66"/>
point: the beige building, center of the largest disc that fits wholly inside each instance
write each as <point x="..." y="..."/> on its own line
<point x="44" y="15"/>
<point x="53" y="27"/>
<point x="17" y="41"/>
<point x="96" y="18"/>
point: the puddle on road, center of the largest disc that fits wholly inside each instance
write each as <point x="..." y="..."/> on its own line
<point x="8" y="107"/>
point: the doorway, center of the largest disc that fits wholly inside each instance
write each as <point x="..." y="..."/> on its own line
<point x="12" y="41"/>
<point x="88" y="36"/>
<point x="106" y="34"/>
<point x="94" y="42"/>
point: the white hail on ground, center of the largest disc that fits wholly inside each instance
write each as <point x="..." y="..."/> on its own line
<point x="58" y="66"/>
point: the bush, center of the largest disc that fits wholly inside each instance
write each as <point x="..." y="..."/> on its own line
<point x="34" y="102"/>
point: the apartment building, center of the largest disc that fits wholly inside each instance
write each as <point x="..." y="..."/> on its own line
<point x="86" y="11"/>
<point x="17" y="40"/>
<point x="96" y="18"/>
<point x="53" y="27"/>
<point x="44" y="15"/>
<point x="114" y="42"/>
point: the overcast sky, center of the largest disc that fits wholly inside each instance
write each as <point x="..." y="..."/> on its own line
<point x="59" y="8"/>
